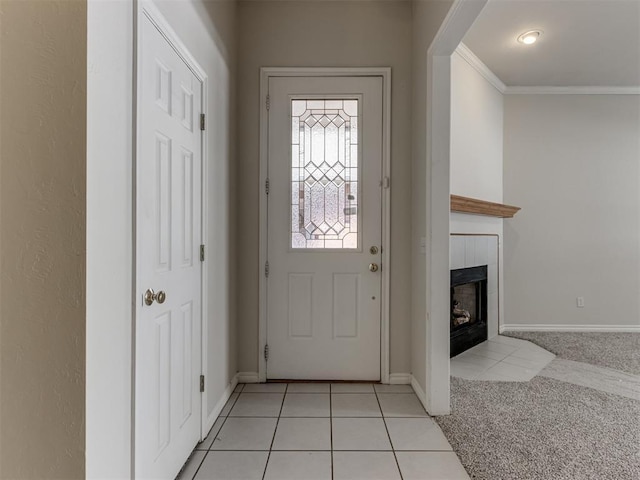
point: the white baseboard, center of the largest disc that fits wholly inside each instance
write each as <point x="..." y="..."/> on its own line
<point x="419" y="392"/>
<point x="248" y="377"/>
<point x="569" y="328"/>
<point x="422" y="396"/>
<point x="220" y="405"/>
<point x="400" y="378"/>
<point x="394" y="378"/>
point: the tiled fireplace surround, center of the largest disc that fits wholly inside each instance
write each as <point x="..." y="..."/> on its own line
<point x="474" y="250"/>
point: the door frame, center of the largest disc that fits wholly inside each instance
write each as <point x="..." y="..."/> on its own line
<point x="147" y="9"/>
<point x="459" y="19"/>
<point x="272" y="72"/>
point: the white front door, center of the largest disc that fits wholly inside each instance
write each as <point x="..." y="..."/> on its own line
<point x="168" y="326"/>
<point x="324" y="227"/>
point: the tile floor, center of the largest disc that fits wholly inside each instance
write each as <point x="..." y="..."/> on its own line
<point x="501" y="359"/>
<point x="304" y="431"/>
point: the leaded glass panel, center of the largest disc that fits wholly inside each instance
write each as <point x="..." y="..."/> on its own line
<point x="324" y="174"/>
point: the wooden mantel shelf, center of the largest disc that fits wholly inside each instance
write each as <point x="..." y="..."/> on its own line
<point x="474" y="206"/>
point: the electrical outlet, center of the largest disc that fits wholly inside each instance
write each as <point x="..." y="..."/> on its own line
<point x="580" y="302"/>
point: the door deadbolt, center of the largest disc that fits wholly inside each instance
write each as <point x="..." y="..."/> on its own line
<point x="373" y="267"/>
<point x="150" y="296"/>
<point x="373" y="250"/>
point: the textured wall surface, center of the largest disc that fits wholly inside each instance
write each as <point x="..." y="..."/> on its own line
<point x="42" y="239"/>
<point x="109" y="363"/>
<point x="572" y="162"/>
<point x="323" y="34"/>
<point x="428" y="16"/>
<point x="476" y="133"/>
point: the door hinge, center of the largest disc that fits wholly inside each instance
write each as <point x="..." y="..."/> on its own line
<point x="202" y="253"/>
<point x="202" y="121"/>
<point x="268" y="101"/>
<point x="266" y="352"/>
<point x="202" y="383"/>
<point x="266" y="269"/>
<point x="387" y="182"/>
<point x="266" y="186"/>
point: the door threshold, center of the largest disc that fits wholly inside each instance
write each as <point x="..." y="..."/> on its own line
<point x="283" y="380"/>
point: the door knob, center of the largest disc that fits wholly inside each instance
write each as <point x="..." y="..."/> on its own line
<point x="150" y="296"/>
<point x="373" y="267"/>
<point x="161" y="297"/>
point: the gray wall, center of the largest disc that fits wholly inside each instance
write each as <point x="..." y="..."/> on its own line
<point x="334" y="34"/>
<point x="572" y="162"/>
<point x="42" y="197"/>
<point x="428" y="15"/>
<point x="477" y="126"/>
<point x="476" y="134"/>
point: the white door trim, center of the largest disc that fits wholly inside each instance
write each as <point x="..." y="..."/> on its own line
<point x="459" y="19"/>
<point x="146" y="8"/>
<point x="385" y="73"/>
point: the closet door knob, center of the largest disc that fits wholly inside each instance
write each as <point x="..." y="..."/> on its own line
<point x="150" y="296"/>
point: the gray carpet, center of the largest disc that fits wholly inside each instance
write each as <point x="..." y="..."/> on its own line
<point x="544" y="429"/>
<point x="620" y="351"/>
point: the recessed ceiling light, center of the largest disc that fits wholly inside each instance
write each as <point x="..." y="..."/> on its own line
<point x="529" y="37"/>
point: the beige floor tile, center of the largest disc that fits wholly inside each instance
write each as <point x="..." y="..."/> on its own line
<point x="303" y="434"/>
<point x="516" y="342"/>
<point x="306" y="405"/>
<point x="360" y="434"/>
<point x="233" y="466"/>
<point x="355" y="405"/>
<point x="265" y="388"/>
<point x="431" y="466"/>
<point x="383" y="388"/>
<point x="229" y="405"/>
<point x="474" y="360"/>
<point x="537" y="354"/>
<point x="500" y="347"/>
<point x="464" y="370"/>
<point x="520" y="374"/>
<point x="401" y="405"/>
<point x="526" y="363"/>
<point x="192" y="465"/>
<point x="257" y="405"/>
<point x="484" y="351"/>
<point x="299" y="466"/>
<point x="416" y="434"/>
<point x="308" y="388"/>
<point x="365" y="466"/>
<point x="352" y="388"/>
<point x="206" y="443"/>
<point x="245" y="434"/>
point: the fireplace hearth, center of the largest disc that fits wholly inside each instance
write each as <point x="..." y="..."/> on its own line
<point x="468" y="316"/>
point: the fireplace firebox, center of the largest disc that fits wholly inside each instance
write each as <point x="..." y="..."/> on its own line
<point x="468" y="308"/>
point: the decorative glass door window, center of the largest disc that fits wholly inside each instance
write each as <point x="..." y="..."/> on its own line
<point x="324" y="174"/>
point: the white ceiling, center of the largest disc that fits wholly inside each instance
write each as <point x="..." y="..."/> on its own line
<point x="585" y="42"/>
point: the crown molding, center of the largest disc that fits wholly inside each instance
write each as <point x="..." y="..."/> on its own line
<point x="480" y="67"/>
<point x="572" y="91"/>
